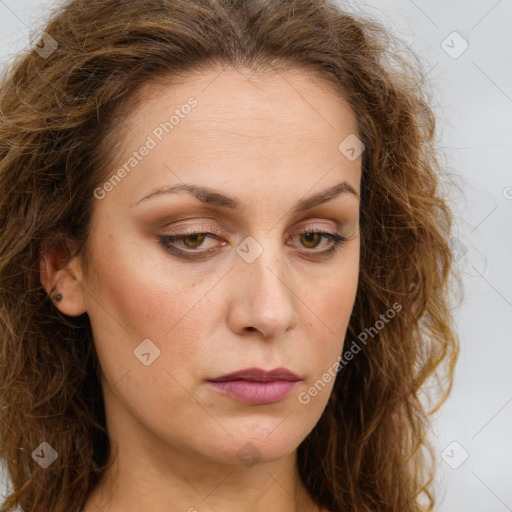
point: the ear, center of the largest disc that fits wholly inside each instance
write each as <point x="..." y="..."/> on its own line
<point x="61" y="273"/>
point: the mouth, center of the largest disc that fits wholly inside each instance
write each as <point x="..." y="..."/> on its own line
<point x="255" y="386"/>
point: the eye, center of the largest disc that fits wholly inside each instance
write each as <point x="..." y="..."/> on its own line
<point x="194" y="241"/>
<point x="186" y="244"/>
<point x="193" y="244"/>
<point x="312" y="239"/>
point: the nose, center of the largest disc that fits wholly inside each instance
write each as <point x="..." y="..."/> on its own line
<point x="262" y="295"/>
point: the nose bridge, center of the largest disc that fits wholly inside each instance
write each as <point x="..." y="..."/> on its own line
<point x="265" y="285"/>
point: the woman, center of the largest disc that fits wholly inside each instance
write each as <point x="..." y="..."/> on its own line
<point x="225" y="262"/>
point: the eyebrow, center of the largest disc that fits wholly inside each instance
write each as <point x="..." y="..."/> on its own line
<point x="216" y="197"/>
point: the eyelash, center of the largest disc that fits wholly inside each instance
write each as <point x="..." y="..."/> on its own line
<point x="166" y="241"/>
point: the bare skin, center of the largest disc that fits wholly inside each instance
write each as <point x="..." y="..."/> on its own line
<point x="270" y="143"/>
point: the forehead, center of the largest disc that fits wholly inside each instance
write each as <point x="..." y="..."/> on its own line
<point x="243" y="103"/>
<point x="278" y="130"/>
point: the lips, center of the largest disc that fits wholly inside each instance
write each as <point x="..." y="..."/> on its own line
<point x="258" y="375"/>
<point x="255" y="386"/>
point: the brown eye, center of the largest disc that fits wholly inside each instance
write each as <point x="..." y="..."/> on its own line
<point x="191" y="245"/>
<point x="193" y="241"/>
<point x="311" y="240"/>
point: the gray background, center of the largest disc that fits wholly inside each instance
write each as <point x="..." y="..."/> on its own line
<point x="473" y="102"/>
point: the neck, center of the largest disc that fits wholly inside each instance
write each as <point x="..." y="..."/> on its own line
<point x="178" y="482"/>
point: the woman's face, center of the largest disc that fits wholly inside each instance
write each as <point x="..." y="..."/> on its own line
<point x="253" y="158"/>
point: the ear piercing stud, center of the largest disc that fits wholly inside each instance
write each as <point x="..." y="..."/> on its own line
<point x="56" y="296"/>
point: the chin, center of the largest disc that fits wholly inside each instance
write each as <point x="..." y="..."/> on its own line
<point x="266" y="442"/>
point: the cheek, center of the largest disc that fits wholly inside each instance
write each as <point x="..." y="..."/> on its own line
<point x="136" y="287"/>
<point x="327" y="327"/>
<point x="331" y="299"/>
<point x="180" y="319"/>
<point x="131" y="299"/>
<point x="328" y="308"/>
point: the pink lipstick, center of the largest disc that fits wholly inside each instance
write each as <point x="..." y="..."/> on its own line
<point x="255" y="386"/>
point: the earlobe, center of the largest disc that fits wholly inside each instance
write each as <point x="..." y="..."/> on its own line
<point x="61" y="276"/>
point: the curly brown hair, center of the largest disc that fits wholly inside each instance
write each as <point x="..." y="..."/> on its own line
<point x="370" y="449"/>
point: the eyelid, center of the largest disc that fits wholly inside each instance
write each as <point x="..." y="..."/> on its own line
<point x="193" y="229"/>
<point x="316" y="226"/>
